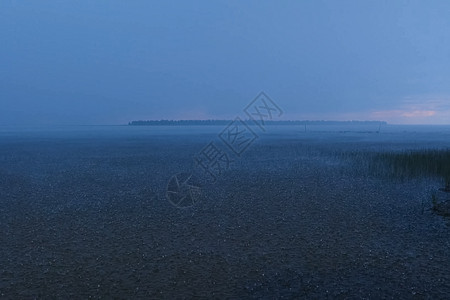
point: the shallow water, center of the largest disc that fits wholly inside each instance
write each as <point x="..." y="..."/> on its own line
<point x="84" y="213"/>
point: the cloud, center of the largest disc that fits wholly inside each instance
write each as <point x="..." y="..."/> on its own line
<point x="418" y="113"/>
<point x="403" y="113"/>
<point x="421" y="109"/>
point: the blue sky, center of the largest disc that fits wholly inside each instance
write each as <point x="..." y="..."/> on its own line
<point x="109" y="62"/>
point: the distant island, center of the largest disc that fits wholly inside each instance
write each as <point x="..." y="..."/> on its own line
<point x="226" y="122"/>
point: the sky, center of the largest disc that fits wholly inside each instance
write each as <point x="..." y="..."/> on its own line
<point x="110" y="62"/>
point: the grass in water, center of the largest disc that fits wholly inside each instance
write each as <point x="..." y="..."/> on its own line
<point x="434" y="163"/>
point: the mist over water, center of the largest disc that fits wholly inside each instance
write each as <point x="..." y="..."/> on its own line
<point x="101" y="199"/>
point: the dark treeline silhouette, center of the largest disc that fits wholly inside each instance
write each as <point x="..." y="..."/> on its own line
<point x="226" y="122"/>
<point x="179" y="122"/>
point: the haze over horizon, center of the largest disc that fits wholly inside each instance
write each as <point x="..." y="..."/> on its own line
<point x="111" y="62"/>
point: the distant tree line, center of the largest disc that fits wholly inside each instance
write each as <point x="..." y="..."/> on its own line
<point x="226" y="122"/>
<point x="179" y="122"/>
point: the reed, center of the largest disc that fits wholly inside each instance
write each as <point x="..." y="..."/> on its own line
<point x="418" y="163"/>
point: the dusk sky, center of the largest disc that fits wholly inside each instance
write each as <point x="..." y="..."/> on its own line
<point x="110" y="62"/>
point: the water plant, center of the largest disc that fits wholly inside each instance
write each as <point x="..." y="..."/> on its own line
<point x="417" y="163"/>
